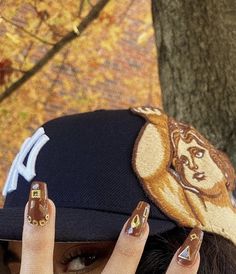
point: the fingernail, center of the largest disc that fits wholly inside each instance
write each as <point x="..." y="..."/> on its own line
<point x="38" y="204"/>
<point x="190" y="248"/>
<point x="138" y="219"/>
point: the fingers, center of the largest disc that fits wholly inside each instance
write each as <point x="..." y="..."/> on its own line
<point x="38" y="232"/>
<point x="129" y="247"/>
<point x="187" y="258"/>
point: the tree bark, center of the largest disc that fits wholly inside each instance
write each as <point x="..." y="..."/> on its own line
<point x="196" y="43"/>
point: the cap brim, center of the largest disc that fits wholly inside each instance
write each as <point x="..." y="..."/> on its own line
<point x="76" y="225"/>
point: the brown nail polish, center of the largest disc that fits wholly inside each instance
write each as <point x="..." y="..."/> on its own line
<point x="38" y="204"/>
<point x="138" y="219"/>
<point x="188" y="251"/>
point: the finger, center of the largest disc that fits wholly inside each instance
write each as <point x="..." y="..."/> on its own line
<point x="38" y="232"/>
<point x="187" y="258"/>
<point x="130" y="244"/>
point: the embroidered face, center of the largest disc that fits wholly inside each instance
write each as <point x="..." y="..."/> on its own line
<point x="196" y="161"/>
<point x="198" y="168"/>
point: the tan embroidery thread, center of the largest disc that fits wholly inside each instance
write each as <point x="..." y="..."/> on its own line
<point x="184" y="175"/>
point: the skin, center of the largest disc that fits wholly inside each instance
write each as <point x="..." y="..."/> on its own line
<point x="39" y="254"/>
<point x="101" y="249"/>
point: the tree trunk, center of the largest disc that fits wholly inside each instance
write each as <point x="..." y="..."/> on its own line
<point x="196" y="43"/>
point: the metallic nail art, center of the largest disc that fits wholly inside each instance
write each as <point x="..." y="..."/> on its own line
<point x="188" y="251"/>
<point x="138" y="219"/>
<point x="38" y="204"/>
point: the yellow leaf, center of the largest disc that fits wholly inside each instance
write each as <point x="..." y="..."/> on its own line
<point x="107" y="45"/>
<point x="144" y="37"/>
<point x="14" y="38"/>
<point x="74" y="26"/>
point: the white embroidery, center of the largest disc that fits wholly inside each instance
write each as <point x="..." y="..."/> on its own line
<point x="32" y="146"/>
<point x="148" y="110"/>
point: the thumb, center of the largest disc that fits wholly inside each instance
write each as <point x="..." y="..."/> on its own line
<point x="38" y="232"/>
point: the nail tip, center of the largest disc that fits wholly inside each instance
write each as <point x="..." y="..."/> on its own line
<point x="190" y="248"/>
<point x="138" y="219"/>
<point x="37" y="214"/>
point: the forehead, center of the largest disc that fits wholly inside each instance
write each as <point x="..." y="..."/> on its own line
<point x="183" y="146"/>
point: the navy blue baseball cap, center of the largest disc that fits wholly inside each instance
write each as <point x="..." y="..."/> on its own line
<point x="86" y="161"/>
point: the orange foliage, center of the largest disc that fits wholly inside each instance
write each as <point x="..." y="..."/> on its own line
<point x="5" y="70"/>
<point x="111" y="65"/>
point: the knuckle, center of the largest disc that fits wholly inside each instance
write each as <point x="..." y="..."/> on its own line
<point x="130" y="248"/>
<point x="35" y="240"/>
<point x="35" y="245"/>
<point x="125" y="250"/>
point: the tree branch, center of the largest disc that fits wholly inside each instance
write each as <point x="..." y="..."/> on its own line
<point x="31" y="44"/>
<point x="93" y="14"/>
<point x="91" y="5"/>
<point x="27" y="32"/>
<point x="81" y="6"/>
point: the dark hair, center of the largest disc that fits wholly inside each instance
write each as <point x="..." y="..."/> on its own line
<point x="218" y="255"/>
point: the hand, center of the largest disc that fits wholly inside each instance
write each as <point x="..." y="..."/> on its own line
<point x="38" y="244"/>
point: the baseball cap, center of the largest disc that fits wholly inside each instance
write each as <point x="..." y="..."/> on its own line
<point x="86" y="161"/>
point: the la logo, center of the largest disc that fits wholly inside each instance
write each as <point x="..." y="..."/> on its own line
<point x="30" y="147"/>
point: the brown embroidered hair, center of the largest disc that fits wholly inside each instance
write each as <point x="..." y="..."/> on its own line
<point x="180" y="131"/>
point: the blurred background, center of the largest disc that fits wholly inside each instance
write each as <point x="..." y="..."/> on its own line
<point x="110" y="65"/>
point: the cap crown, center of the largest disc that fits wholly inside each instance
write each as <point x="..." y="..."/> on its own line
<point x="86" y="163"/>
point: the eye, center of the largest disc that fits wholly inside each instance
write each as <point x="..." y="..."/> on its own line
<point x="198" y="153"/>
<point x="84" y="258"/>
<point x="80" y="262"/>
<point x="184" y="160"/>
<point x="75" y="260"/>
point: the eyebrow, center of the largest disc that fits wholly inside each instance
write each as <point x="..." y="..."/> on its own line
<point x="195" y="147"/>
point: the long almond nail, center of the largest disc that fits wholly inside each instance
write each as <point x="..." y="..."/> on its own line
<point x="189" y="250"/>
<point x="138" y="219"/>
<point x="38" y="204"/>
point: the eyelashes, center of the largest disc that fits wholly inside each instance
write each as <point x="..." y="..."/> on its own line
<point x="85" y="257"/>
<point x="82" y="259"/>
<point x="80" y="263"/>
<point x="79" y="258"/>
<point x="68" y="256"/>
